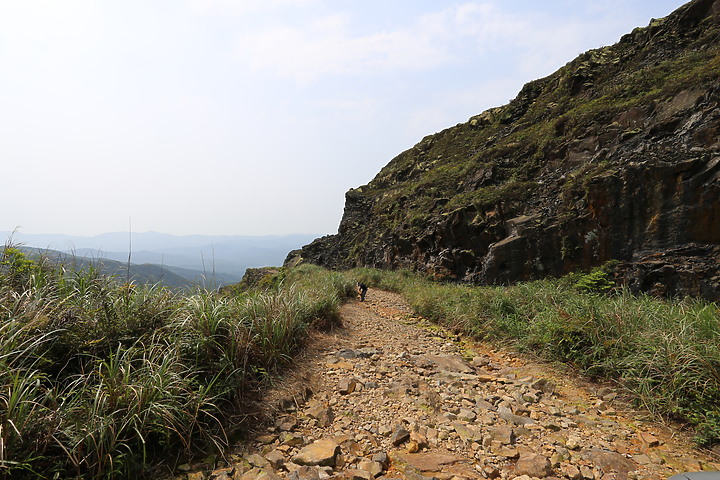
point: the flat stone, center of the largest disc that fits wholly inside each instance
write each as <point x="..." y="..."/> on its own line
<point x="467" y="433"/>
<point x="320" y="452"/>
<point x="449" y="363"/>
<point x="428" y="462"/>
<point x="502" y="434"/>
<point x="533" y="465"/>
<point x="382" y="458"/>
<point x="611" y="462"/>
<point x="266" y="439"/>
<point x="570" y="471"/>
<point x="292" y="439"/>
<point x="276" y="459"/>
<point x="304" y="473"/>
<point x="374" y="468"/>
<point x="355" y="474"/>
<point x="400" y="436"/>
<point x="324" y="415"/>
<point x="508" y="416"/>
<point x="347" y="353"/>
<point x="257" y="460"/>
<point x="259" y="474"/>
<point x="648" y="439"/>
<point x="224" y="471"/>
<point x="466" y="415"/>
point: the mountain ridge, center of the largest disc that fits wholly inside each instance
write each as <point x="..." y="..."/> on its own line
<point x="219" y="260"/>
<point x="615" y="156"/>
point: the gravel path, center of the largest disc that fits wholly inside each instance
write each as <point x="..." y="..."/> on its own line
<point x="390" y="395"/>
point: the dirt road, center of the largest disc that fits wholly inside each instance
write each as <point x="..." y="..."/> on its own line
<point x="390" y="395"/>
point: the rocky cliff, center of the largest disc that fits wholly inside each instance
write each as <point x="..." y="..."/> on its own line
<point x="614" y="156"/>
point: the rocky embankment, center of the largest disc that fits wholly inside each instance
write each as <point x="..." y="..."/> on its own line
<point x="613" y="157"/>
<point x="392" y="396"/>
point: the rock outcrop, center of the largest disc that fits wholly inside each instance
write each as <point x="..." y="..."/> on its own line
<point x="614" y="156"/>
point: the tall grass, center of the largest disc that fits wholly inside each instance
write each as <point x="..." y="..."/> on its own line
<point x="667" y="352"/>
<point x="104" y="379"/>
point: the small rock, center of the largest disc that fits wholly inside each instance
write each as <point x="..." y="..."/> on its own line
<point x="355" y="474"/>
<point x="573" y="443"/>
<point x="374" y="468"/>
<point x="320" y="452"/>
<point x="304" y="473"/>
<point x="276" y="459"/>
<point x="570" y="471"/>
<point x="399" y="436"/>
<point x="347" y="386"/>
<point x="259" y="474"/>
<point x="533" y="465"/>
<point x="196" y="476"/>
<point x="324" y="415"/>
<point x="384" y="430"/>
<point x="502" y="434"/>
<point x="266" y="439"/>
<point x="382" y="458"/>
<point x="466" y="415"/>
<point x="257" y="460"/>
<point x="587" y="472"/>
<point x="292" y="439"/>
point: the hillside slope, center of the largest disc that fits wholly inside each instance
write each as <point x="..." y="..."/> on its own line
<point x="614" y="156"/>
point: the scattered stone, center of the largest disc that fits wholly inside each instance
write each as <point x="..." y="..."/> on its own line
<point x="382" y="458"/>
<point x="467" y="433"/>
<point x="428" y="462"/>
<point x="573" y="443"/>
<point x="533" y="465"/>
<point x="259" y="474"/>
<point x="292" y="439"/>
<point x="324" y="415"/>
<point x="649" y="439"/>
<point x="449" y="363"/>
<point x="466" y="415"/>
<point x="347" y="386"/>
<point x="518" y="420"/>
<point x="501" y="433"/>
<point x="320" y="452"/>
<point x="611" y="462"/>
<point x="570" y="471"/>
<point x="453" y="422"/>
<point x="257" y="460"/>
<point x="223" y="472"/>
<point x="276" y="459"/>
<point x="374" y="468"/>
<point x="355" y="474"/>
<point x="399" y="436"/>
<point x="304" y="473"/>
<point x="266" y="439"/>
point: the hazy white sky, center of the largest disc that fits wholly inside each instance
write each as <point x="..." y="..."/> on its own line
<point x="250" y="117"/>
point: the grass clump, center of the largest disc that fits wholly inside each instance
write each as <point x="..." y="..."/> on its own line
<point x="667" y="352"/>
<point x="101" y="379"/>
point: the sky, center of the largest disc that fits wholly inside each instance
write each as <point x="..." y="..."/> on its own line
<point x="253" y="117"/>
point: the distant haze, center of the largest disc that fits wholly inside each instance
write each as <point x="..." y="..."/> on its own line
<point x="253" y="117"/>
<point x="228" y="255"/>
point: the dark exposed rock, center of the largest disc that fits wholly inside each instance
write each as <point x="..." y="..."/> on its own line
<point x="613" y="157"/>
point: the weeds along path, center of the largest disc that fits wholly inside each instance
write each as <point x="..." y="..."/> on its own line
<point x="390" y="395"/>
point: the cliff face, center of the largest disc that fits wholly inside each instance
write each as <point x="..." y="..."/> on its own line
<point x="614" y="156"/>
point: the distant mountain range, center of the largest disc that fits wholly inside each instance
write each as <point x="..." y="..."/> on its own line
<point x="173" y="260"/>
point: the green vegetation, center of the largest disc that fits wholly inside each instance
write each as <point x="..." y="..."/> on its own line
<point x="101" y="379"/>
<point x="522" y="150"/>
<point x="666" y="352"/>
<point x="106" y="380"/>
